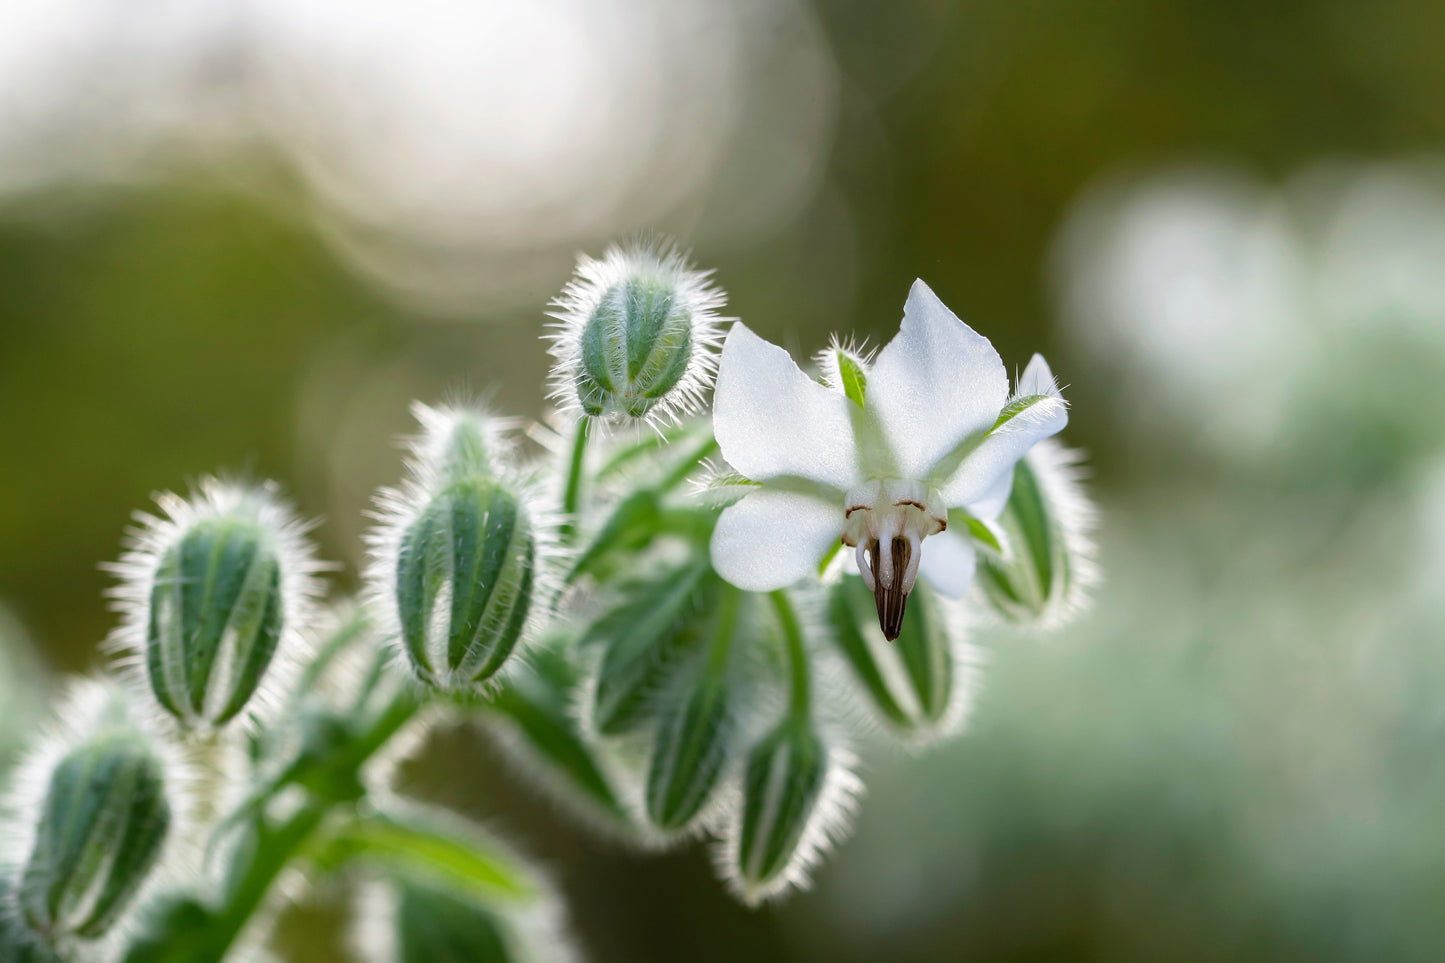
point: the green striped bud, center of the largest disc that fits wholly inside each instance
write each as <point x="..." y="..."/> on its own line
<point x="636" y="334"/>
<point x="215" y="619"/>
<point x="797" y="797"/>
<point x="689" y="752"/>
<point x="213" y="595"/>
<point x="1048" y="568"/>
<point x="465" y="576"/>
<point x="98" y="826"/>
<point x="915" y="683"/>
<point x="694" y="733"/>
<point x="635" y="348"/>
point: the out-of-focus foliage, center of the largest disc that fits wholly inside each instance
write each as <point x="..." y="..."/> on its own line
<point x="1240" y="757"/>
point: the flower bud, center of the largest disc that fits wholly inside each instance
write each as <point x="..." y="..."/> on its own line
<point x="689" y="751"/>
<point x="918" y="683"/>
<point x="212" y="595"/>
<point x="797" y="798"/>
<point x="96" y="814"/>
<point x="636" y="334"/>
<point x="458" y="553"/>
<point x="1046" y="573"/>
<point x="464" y="582"/>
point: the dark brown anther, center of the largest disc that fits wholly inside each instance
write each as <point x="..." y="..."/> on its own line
<point x="890" y="602"/>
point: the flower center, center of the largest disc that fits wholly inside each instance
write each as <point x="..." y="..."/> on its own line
<point x="887" y="522"/>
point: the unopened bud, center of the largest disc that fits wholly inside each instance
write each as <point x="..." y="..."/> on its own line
<point x="689" y="751"/>
<point x="1046" y="573"/>
<point x="213" y="594"/>
<point x="798" y="795"/>
<point x="636" y="334"/>
<point x="464" y="580"/>
<point x="97" y="820"/>
<point x="917" y="683"/>
<point x="457" y="553"/>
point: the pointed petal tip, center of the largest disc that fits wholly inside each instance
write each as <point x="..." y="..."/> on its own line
<point x="1038" y="378"/>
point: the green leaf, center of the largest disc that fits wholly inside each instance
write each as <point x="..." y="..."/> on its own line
<point x="633" y="523"/>
<point x="433" y="845"/>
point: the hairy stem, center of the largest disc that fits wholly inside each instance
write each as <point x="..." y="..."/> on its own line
<point x="572" y="494"/>
<point x="800" y="693"/>
<point x="275" y="847"/>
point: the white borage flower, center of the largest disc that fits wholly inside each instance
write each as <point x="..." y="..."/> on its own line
<point x="88" y="906"/>
<point x="208" y="658"/>
<point x="636" y="334"/>
<point x="918" y="443"/>
<point x="464" y="520"/>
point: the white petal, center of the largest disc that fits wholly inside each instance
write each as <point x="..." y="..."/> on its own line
<point x="984" y="469"/>
<point x="990" y="504"/>
<point x="1037" y="379"/>
<point x="937" y="382"/>
<point x="773" y="538"/>
<point x="771" y="420"/>
<point x="948" y="562"/>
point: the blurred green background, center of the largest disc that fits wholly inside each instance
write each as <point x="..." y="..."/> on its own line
<point x="240" y="237"/>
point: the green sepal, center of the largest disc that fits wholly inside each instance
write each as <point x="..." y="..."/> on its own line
<point x="635" y="348"/>
<point x="692" y="739"/>
<point x="854" y="379"/>
<point x="689" y="752"/>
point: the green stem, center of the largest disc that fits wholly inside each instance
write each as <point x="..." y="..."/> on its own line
<point x="274" y="851"/>
<point x="276" y="847"/>
<point x="727" y="617"/>
<point x="572" y="494"/>
<point x="800" y="690"/>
